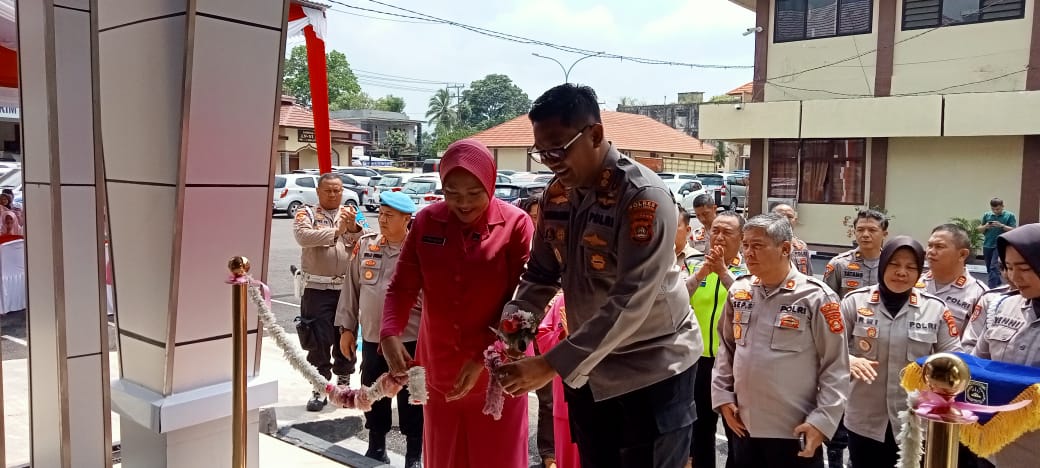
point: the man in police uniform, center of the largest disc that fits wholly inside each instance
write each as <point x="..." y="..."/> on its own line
<point x="858" y="267"/>
<point x="710" y="277"/>
<point x="606" y="230"/>
<point x="948" y="277"/>
<point x="800" y="254"/>
<point x="326" y="232"/>
<point x="782" y="370"/>
<point x="684" y="252"/>
<point x="705" y="210"/>
<point x="372" y="264"/>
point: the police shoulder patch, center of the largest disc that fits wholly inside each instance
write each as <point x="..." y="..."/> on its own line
<point x="951" y="323"/>
<point x="641" y="215"/>
<point x="831" y="312"/>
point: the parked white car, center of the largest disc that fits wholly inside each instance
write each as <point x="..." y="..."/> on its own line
<point x="292" y="191"/>
<point x="424" y="191"/>
<point x="391" y="181"/>
<point x="362" y="174"/>
<point x="689" y="190"/>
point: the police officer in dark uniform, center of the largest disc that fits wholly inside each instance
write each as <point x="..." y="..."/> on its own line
<point x="606" y="234"/>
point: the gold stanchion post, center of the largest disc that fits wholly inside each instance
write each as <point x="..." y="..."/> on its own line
<point x="947" y="376"/>
<point x="239" y="267"/>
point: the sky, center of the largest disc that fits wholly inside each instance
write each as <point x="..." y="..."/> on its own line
<point x="689" y="31"/>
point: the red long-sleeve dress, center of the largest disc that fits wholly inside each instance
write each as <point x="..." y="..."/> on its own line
<point x="466" y="276"/>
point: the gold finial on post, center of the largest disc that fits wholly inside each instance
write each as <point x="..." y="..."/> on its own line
<point x="239" y="267"/>
<point x="946" y="375"/>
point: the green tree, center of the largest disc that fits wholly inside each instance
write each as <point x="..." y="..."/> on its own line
<point x="442" y="139"/>
<point x="720" y="154"/>
<point x="441" y="113"/>
<point x="630" y="101"/>
<point x="295" y="81"/>
<point x="390" y="103"/>
<point x="723" y="99"/>
<point x="359" y="100"/>
<point x="394" y="143"/>
<point x="491" y="101"/>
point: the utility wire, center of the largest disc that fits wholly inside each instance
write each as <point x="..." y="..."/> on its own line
<point x="415" y="15"/>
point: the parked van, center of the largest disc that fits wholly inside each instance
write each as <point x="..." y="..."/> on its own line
<point x="431" y="165"/>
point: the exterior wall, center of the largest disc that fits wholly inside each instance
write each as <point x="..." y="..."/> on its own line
<point x="876" y="117"/>
<point x="931" y="180"/>
<point x="752" y="120"/>
<point x="307" y="152"/>
<point x="792" y="57"/>
<point x="514" y="159"/>
<point x="675" y="162"/>
<point x="968" y="53"/>
<point x="981" y="114"/>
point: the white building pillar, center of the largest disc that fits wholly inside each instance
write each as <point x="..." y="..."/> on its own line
<point x="68" y="333"/>
<point x="189" y="96"/>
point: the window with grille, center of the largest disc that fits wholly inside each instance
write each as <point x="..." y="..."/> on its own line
<point x="918" y="14"/>
<point x="798" y="20"/>
<point x="817" y="171"/>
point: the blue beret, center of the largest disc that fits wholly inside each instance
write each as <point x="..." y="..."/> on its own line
<point x="397" y="201"/>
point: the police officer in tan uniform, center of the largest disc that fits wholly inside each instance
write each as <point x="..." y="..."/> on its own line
<point x="782" y="370"/>
<point x="326" y="232"/>
<point x="372" y="264"/>
<point x="985" y="308"/>
<point x="705" y="210"/>
<point x="607" y="235"/>
<point x="858" y="267"/>
<point x="1013" y="335"/>
<point x="800" y="254"/>
<point x="888" y="326"/>
<point x="947" y="277"/>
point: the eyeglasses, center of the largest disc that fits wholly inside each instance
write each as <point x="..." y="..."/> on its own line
<point x="556" y="154"/>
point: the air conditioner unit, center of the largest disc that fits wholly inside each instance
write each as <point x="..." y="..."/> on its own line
<point x="772" y="202"/>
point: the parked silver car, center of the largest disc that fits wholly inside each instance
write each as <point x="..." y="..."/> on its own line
<point x="292" y="191"/>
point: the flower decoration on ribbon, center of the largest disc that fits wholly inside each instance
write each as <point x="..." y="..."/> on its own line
<point x="515" y="332"/>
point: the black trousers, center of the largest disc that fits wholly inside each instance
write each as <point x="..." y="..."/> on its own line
<point x="546" y="439"/>
<point x="319" y="305"/>
<point x="379" y="419"/>
<point x="837" y="445"/>
<point x="702" y="449"/>
<point x="750" y="452"/>
<point x="867" y="452"/>
<point x="647" y="428"/>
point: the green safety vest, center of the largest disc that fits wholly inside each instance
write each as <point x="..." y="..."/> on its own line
<point x="709" y="301"/>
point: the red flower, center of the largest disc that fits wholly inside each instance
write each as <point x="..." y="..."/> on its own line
<point x="510" y="326"/>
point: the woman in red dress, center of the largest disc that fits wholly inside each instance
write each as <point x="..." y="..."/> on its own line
<point x="466" y="256"/>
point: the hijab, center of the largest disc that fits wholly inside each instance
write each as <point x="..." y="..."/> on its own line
<point x="15" y="228"/>
<point x="1026" y="240"/>
<point x="893" y="301"/>
<point x="471" y="156"/>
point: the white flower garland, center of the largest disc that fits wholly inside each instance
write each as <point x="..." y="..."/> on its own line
<point x="292" y="353"/>
<point x="298" y="360"/>
<point x="911" y="437"/>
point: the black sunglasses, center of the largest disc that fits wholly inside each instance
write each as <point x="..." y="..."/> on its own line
<point x="555" y="154"/>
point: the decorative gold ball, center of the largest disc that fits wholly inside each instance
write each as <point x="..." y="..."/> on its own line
<point x="946" y="374"/>
<point x="239" y="266"/>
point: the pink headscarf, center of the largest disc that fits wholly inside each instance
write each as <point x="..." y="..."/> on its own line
<point x="473" y="157"/>
<point x="15" y="229"/>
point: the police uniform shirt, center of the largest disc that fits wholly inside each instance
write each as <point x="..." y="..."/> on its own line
<point x="981" y="313"/>
<point x="700" y="239"/>
<point x="959" y="295"/>
<point x="322" y="253"/>
<point x="612" y="247"/>
<point x="783" y="357"/>
<point x="801" y="258"/>
<point x="849" y="271"/>
<point x="372" y="265"/>
<point x="922" y="327"/>
<point x="1013" y="336"/>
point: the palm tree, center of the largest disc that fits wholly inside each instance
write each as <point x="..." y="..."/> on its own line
<point x="441" y="112"/>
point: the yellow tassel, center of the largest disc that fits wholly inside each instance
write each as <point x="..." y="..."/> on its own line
<point x="1001" y="430"/>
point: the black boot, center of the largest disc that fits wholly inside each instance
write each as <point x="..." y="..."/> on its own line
<point x="377" y="447"/>
<point x="413" y="455"/>
<point x="317" y="402"/>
